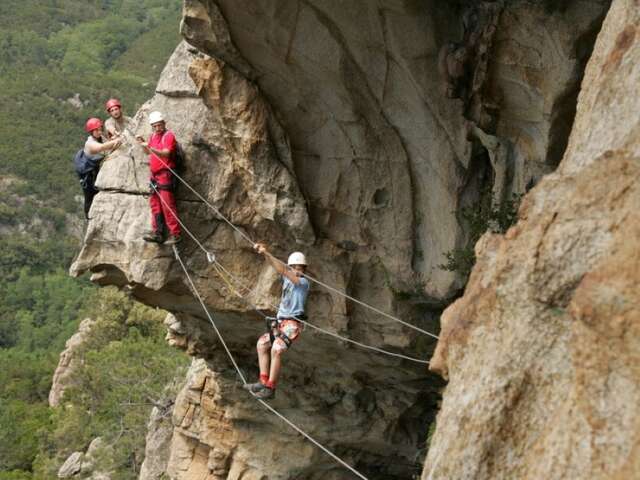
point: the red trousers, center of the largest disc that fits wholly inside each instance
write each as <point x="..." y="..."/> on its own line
<point x="163" y="202"/>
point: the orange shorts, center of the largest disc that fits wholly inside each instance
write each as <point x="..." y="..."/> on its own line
<point x="291" y="328"/>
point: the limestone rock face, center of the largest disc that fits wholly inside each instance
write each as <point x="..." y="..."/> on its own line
<point x="542" y="350"/>
<point x="64" y="373"/>
<point x="83" y="466"/>
<point x="535" y="69"/>
<point x="371" y="136"/>
<point x="380" y="153"/>
<point x="323" y="127"/>
<point x="158" y="443"/>
<point x="71" y="466"/>
<point x="240" y="166"/>
<point x="207" y="442"/>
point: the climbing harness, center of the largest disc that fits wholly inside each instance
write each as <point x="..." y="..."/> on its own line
<point x="306" y="275"/>
<point x="244" y="381"/>
<point x="273" y="329"/>
<point x="153" y="183"/>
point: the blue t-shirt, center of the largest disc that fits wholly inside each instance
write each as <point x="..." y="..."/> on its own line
<point x="293" y="298"/>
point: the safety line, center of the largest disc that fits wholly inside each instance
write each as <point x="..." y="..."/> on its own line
<point x="195" y="290"/>
<point x="359" y="302"/>
<point x="328" y="287"/>
<point x="265" y="404"/>
<point x="315" y="280"/>
<point x="244" y="235"/>
<point x="312" y="440"/>
<point x="219" y="270"/>
<point x="326" y="332"/>
<point x="175" y="215"/>
<point x="213" y="260"/>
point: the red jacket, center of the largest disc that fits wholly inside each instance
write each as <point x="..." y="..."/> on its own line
<point x="162" y="141"/>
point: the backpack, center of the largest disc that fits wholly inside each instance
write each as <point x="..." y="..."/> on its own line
<point x="179" y="159"/>
<point x="85" y="164"/>
<point x="178" y="156"/>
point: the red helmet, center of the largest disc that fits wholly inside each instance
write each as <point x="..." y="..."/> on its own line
<point x="92" y="124"/>
<point x="113" y="102"/>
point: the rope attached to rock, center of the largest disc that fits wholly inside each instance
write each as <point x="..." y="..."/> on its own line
<point x="309" y="277"/>
<point x="221" y="270"/>
<point x="242" y="378"/>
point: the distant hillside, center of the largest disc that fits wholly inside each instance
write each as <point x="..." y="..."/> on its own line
<point x="59" y="61"/>
<point x="51" y="55"/>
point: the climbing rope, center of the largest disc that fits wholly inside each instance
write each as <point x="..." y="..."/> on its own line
<point x="359" y="302"/>
<point x="242" y="378"/>
<point x="206" y="202"/>
<point x="309" y="277"/>
<point x="220" y="269"/>
<point x="195" y="239"/>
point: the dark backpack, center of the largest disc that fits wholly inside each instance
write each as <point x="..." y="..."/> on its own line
<point x="85" y="164"/>
<point x="179" y="159"/>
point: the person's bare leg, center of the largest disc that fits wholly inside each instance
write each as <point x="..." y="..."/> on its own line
<point x="274" y="372"/>
<point x="264" y="358"/>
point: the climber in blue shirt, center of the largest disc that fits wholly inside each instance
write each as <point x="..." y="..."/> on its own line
<point x="287" y="327"/>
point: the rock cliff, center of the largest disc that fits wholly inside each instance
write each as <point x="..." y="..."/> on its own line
<point x="542" y="350"/>
<point x="70" y="358"/>
<point x="354" y="132"/>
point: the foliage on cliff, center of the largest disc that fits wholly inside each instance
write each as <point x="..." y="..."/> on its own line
<point x="126" y="367"/>
<point x="480" y="218"/>
<point x="125" y="372"/>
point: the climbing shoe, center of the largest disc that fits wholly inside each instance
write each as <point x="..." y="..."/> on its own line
<point x="265" y="394"/>
<point x="153" y="236"/>
<point x="173" y="239"/>
<point x="254" y="387"/>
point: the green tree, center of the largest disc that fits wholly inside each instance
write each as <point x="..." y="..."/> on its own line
<point x="478" y="219"/>
<point x="51" y="50"/>
<point x="20" y="424"/>
<point x="125" y="371"/>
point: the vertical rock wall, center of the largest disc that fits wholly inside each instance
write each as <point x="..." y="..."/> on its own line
<point x="542" y="350"/>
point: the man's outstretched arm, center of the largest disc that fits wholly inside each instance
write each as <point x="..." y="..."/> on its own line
<point x="279" y="266"/>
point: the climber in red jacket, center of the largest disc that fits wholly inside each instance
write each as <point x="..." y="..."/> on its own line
<point x="162" y="148"/>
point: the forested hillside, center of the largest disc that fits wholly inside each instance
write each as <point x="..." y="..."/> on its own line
<point x="59" y="61"/>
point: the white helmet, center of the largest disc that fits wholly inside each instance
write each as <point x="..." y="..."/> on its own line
<point x="155" y="117"/>
<point x="297" y="258"/>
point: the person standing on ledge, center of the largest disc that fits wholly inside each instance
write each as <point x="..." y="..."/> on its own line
<point x="88" y="160"/>
<point x="286" y="329"/>
<point x="115" y="125"/>
<point x="162" y="147"/>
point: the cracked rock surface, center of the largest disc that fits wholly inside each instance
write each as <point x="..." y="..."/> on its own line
<point x="542" y="350"/>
